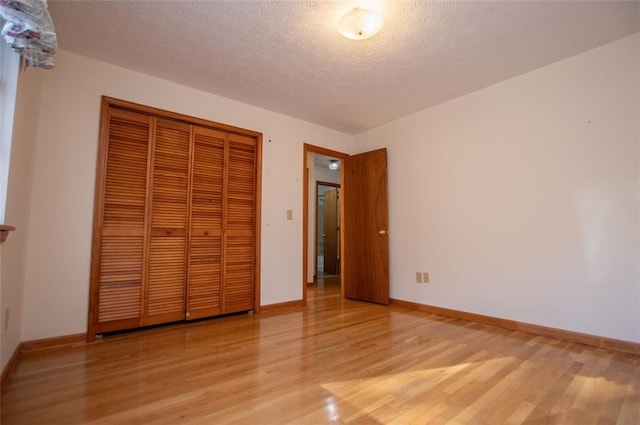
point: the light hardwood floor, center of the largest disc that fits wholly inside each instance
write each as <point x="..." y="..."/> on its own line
<point x="338" y="361"/>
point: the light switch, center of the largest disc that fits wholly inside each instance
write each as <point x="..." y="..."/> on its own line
<point x="289" y="214"/>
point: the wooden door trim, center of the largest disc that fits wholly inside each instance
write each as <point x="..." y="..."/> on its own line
<point x="315" y="247"/>
<point x="307" y="149"/>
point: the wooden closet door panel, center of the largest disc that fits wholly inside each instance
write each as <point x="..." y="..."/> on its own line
<point x="166" y="285"/>
<point x="120" y="278"/>
<point x="238" y="273"/>
<point x="204" y="296"/>
<point x="121" y="232"/>
<point x="126" y="170"/>
<point x="170" y="175"/>
<point x="166" y="277"/>
<point x="204" y="289"/>
<point x="239" y="238"/>
<point x="241" y="169"/>
<point x="208" y="172"/>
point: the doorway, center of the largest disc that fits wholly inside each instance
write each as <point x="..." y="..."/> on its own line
<point x="317" y="171"/>
<point x="363" y="223"/>
<point x="327" y="232"/>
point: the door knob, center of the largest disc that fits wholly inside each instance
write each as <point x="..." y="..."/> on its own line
<point x="382" y="232"/>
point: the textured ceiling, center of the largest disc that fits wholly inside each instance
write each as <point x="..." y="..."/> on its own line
<point x="287" y="56"/>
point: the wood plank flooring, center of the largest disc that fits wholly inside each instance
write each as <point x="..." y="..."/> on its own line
<point x="337" y="361"/>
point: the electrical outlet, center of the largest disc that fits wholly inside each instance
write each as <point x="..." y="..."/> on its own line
<point x="418" y="277"/>
<point x="289" y="214"/>
<point x="6" y="318"/>
<point x="425" y="277"/>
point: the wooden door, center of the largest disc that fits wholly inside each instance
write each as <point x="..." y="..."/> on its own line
<point x="239" y="241"/>
<point x="119" y="243"/>
<point x="330" y="234"/>
<point x="204" y="285"/>
<point x="366" y="242"/>
<point x="166" y="278"/>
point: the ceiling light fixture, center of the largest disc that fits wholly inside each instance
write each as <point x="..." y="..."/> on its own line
<point x="334" y="164"/>
<point x="360" y="24"/>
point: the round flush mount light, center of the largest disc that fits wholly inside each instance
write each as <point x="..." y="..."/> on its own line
<point x="360" y="24"/>
<point x="334" y="164"/>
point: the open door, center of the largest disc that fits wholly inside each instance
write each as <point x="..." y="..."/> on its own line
<point x="366" y="223"/>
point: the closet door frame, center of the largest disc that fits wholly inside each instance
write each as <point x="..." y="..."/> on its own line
<point x="107" y="103"/>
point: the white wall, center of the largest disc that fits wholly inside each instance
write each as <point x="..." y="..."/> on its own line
<point x="56" y="293"/>
<point x="522" y="199"/>
<point x="19" y="191"/>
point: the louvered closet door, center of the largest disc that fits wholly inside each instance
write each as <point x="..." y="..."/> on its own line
<point x="239" y="237"/>
<point x="166" y="277"/>
<point x="122" y="230"/>
<point x="204" y="289"/>
<point x="176" y="219"/>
